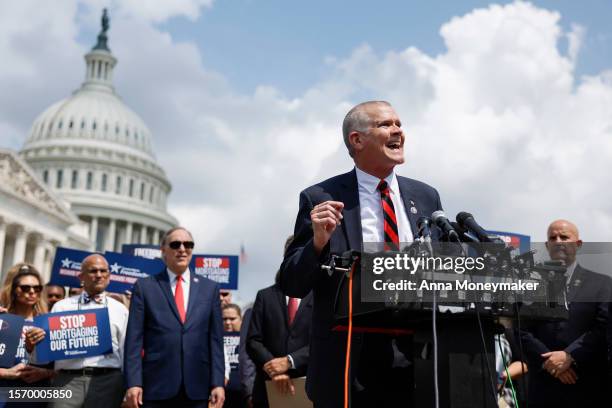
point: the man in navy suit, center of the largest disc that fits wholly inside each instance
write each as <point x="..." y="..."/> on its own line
<point x="175" y="320"/>
<point x="340" y="214"/>
<point x="567" y="359"/>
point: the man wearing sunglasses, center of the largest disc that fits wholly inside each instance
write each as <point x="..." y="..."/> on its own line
<point x="175" y="319"/>
<point x="95" y="380"/>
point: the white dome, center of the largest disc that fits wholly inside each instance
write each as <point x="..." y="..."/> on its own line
<point x="96" y="153"/>
<point x="91" y="114"/>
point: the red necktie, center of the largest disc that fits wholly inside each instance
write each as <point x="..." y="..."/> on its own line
<point x="292" y="307"/>
<point x="178" y="298"/>
<point x="390" y="222"/>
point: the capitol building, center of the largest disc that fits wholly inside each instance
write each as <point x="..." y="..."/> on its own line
<point x="86" y="177"/>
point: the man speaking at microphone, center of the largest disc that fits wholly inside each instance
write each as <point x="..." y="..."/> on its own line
<point x="368" y="204"/>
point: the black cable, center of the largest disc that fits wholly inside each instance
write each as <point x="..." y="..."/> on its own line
<point x="522" y="355"/>
<point x="484" y="346"/>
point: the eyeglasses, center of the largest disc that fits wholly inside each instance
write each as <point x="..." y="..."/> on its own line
<point x="28" y="288"/>
<point x="224" y="294"/>
<point x="177" y="244"/>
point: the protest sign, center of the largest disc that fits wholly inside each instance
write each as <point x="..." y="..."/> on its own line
<point x="142" y="250"/>
<point x="222" y="269"/>
<point x="74" y="334"/>
<point x="10" y="335"/>
<point x="126" y="269"/>
<point x="67" y="266"/>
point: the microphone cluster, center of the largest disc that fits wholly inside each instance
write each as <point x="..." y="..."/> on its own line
<point x="465" y="229"/>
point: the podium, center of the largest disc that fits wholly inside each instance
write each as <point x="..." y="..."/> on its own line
<point x="465" y="366"/>
<point x="464" y="380"/>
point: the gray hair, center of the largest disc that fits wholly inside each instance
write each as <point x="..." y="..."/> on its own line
<point x="357" y="120"/>
<point x="170" y="231"/>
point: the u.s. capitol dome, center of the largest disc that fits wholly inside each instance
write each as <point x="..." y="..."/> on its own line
<point x="93" y="151"/>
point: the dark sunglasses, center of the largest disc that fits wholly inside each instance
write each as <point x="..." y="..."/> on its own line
<point x="177" y="244"/>
<point x="224" y="294"/>
<point x="28" y="288"/>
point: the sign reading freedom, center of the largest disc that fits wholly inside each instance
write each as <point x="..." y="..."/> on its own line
<point x="74" y="334"/>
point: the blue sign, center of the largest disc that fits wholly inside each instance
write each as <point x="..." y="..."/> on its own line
<point x="222" y="269"/>
<point x="67" y="266"/>
<point x="10" y="336"/>
<point x="74" y="334"/>
<point x="231" y="343"/>
<point x="145" y="251"/>
<point x="517" y="241"/>
<point x="127" y="269"/>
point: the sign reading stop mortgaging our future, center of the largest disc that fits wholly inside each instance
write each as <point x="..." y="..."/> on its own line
<point x="74" y="334"/>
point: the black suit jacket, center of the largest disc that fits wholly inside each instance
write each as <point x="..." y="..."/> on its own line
<point x="301" y="272"/>
<point x="582" y="335"/>
<point x="270" y="336"/>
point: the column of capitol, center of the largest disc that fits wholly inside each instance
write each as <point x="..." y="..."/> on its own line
<point x="33" y="221"/>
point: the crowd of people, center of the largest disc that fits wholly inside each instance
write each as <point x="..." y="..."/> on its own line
<point x="171" y="341"/>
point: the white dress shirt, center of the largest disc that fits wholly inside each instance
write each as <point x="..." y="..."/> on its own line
<point x="185" y="284"/>
<point x="372" y="221"/>
<point x="118" y="317"/>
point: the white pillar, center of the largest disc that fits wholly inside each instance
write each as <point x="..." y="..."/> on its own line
<point x="52" y="177"/>
<point x="49" y="253"/>
<point x="93" y="231"/>
<point x="110" y="237"/>
<point x="2" y="240"/>
<point x="143" y="234"/>
<point x="129" y="233"/>
<point x="20" y="245"/>
<point x="39" y="254"/>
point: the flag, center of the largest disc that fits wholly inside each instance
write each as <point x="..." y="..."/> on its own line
<point x="243" y="255"/>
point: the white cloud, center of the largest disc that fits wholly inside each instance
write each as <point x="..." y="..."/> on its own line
<point x="498" y="122"/>
<point x="158" y="11"/>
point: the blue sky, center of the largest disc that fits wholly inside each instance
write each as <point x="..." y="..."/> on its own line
<point x="285" y="44"/>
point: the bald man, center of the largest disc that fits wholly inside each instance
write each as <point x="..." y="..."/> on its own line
<point x="94" y="381"/>
<point x="567" y="359"/>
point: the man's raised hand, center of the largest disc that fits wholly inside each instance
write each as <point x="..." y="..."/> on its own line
<point x="325" y="217"/>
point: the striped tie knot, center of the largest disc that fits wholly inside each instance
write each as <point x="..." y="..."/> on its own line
<point x="389" y="220"/>
<point x="383" y="187"/>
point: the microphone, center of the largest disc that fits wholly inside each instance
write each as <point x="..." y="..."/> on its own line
<point x="467" y="221"/>
<point x="464" y="235"/>
<point x="442" y="222"/>
<point x="423" y="226"/>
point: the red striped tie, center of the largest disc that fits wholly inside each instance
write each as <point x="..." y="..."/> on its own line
<point x="390" y="221"/>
